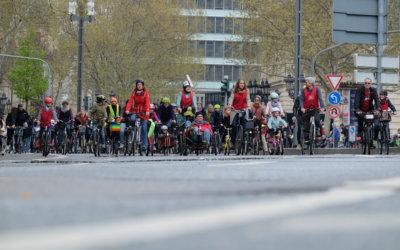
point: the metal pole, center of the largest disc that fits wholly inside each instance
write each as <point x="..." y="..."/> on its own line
<point x="49" y="80"/>
<point x="381" y="12"/>
<point x="314" y="59"/>
<point x="297" y="61"/>
<point x="80" y="65"/>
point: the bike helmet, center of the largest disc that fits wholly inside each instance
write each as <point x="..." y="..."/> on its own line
<point x="274" y="95"/>
<point x="276" y="109"/>
<point x="164" y="127"/>
<point x="217" y="106"/>
<point x="186" y="84"/>
<point x="48" y="100"/>
<point x="384" y="92"/>
<point x="257" y="96"/>
<point x="100" y="98"/>
<point x="166" y="100"/>
<point x="113" y="99"/>
<point x="139" y="80"/>
<point x="173" y="105"/>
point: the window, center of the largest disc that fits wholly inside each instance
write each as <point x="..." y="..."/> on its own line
<point x="218" y="73"/>
<point x="228" y="72"/>
<point x="227" y="4"/>
<point x="201" y="4"/>
<point x="238" y="27"/>
<point x="219" y="4"/>
<point x="201" y="24"/>
<point x="210" y="4"/>
<point x="210" y="49"/>
<point x="236" y="72"/>
<point x="228" y="50"/>
<point x="210" y="25"/>
<point x="219" y="49"/>
<point x="228" y="29"/>
<point x="210" y="73"/>
<point x="201" y="49"/>
<point x="219" y="25"/>
<point x="237" y="5"/>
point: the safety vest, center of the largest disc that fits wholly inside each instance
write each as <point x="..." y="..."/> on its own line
<point x="187" y="101"/>
<point x="112" y="115"/>
<point x="384" y="104"/>
<point x="240" y="100"/>
<point x="311" y="99"/>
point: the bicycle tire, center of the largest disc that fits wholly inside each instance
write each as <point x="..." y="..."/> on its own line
<point x="239" y="140"/>
<point x="369" y="139"/>
<point x="387" y="138"/>
<point x="312" y="138"/>
<point x="45" y="141"/>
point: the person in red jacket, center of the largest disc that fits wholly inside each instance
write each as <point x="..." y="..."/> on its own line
<point x="45" y="115"/>
<point x="199" y="125"/>
<point x="239" y="101"/>
<point x="139" y="106"/>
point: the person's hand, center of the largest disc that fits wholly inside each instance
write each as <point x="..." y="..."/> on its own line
<point x="12" y="126"/>
<point x="173" y="121"/>
<point x="147" y="113"/>
<point x="322" y="109"/>
<point x="395" y="113"/>
<point x="179" y="110"/>
<point x="303" y="110"/>
<point x="127" y="112"/>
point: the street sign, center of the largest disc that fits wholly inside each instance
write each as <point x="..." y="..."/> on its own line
<point x="352" y="133"/>
<point x="334" y="80"/>
<point x="356" y="21"/>
<point x="334" y="98"/>
<point x="389" y="78"/>
<point x="371" y="61"/>
<point x="334" y="112"/>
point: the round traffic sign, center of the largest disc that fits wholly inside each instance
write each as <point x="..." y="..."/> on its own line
<point x="334" y="112"/>
<point x="334" y="98"/>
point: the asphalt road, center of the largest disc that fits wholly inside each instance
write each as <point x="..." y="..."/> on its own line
<point x="207" y="202"/>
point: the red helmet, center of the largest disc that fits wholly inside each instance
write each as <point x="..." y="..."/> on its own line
<point x="48" y="100"/>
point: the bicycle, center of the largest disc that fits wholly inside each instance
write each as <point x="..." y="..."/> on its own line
<point x="216" y="141"/>
<point x="275" y="142"/>
<point x="312" y="133"/>
<point x="227" y="145"/>
<point x="97" y="140"/>
<point x="239" y="140"/>
<point x="256" y="141"/>
<point x="384" y="133"/>
<point x="367" y="132"/>
<point x="46" y="139"/>
<point x="128" y="138"/>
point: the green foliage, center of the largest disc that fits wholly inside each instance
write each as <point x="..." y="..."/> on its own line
<point x="27" y="76"/>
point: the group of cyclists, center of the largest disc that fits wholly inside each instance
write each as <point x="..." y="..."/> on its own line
<point x="243" y="125"/>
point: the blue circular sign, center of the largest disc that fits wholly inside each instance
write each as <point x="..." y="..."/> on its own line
<point x="334" y="98"/>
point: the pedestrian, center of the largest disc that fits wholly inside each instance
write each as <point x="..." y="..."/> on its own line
<point x="335" y="135"/>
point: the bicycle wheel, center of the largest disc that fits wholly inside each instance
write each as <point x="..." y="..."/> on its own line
<point x="45" y="141"/>
<point x="369" y="139"/>
<point x="386" y="138"/>
<point x="239" y="141"/>
<point x="312" y="138"/>
<point x="281" y="146"/>
<point x="128" y="142"/>
<point x="302" y="144"/>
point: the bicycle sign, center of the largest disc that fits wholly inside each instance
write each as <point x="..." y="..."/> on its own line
<point x="334" y="98"/>
<point x="334" y="112"/>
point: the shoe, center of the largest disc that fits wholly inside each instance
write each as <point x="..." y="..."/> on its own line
<point x="121" y="146"/>
<point x="154" y="148"/>
<point x="298" y="147"/>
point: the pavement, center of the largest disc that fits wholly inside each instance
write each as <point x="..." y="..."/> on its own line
<point x="329" y="201"/>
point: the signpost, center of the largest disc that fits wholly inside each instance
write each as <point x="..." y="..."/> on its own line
<point x="334" y="112"/>
<point x="335" y="80"/>
<point x="352" y="133"/>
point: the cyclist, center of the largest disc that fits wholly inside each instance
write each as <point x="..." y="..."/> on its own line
<point x="216" y="116"/>
<point x="3" y="132"/>
<point x="275" y="121"/>
<point x="202" y="127"/>
<point x="166" y="113"/>
<point x="162" y="142"/>
<point x="366" y="100"/>
<point x="274" y="103"/>
<point x="98" y="115"/>
<point x="386" y="104"/>
<point x="208" y="112"/>
<point x="45" y="116"/>
<point x="239" y="100"/>
<point x="257" y="108"/>
<point x="81" y="123"/>
<point x="186" y="98"/>
<point x="19" y="118"/>
<point x="115" y="110"/>
<point x="311" y="99"/>
<point x="139" y="106"/>
<point x="65" y="115"/>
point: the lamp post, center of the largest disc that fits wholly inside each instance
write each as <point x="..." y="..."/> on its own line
<point x="289" y="80"/>
<point x="73" y="17"/>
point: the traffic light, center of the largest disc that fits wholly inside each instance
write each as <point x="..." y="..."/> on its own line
<point x="225" y="85"/>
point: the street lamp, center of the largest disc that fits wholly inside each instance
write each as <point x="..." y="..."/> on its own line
<point x="289" y="80"/>
<point x="73" y="17"/>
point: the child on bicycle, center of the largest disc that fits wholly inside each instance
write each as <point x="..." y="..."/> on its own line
<point x="165" y="139"/>
<point x="226" y="122"/>
<point x="46" y="114"/>
<point x="274" y="103"/>
<point x="275" y="122"/>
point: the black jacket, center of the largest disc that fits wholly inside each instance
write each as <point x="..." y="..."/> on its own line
<point x="359" y="99"/>
<point x="18" y="117"/>
<point x="165" y="114"/>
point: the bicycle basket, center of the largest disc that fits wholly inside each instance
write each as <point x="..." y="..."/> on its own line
<point x="385" y="116"/>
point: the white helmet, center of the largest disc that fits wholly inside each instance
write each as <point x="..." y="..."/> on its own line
<point x="276" y="109"/>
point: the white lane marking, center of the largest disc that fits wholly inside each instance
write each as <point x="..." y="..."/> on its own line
<point x="340" y="223"/>
<point x="242" y="163"/>
<point x="150" y="228"/>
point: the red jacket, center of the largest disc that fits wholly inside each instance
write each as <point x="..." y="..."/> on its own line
<point x="240" y="100"/>
<point x="203" y="126"/>
<point x="141" y="103"/>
